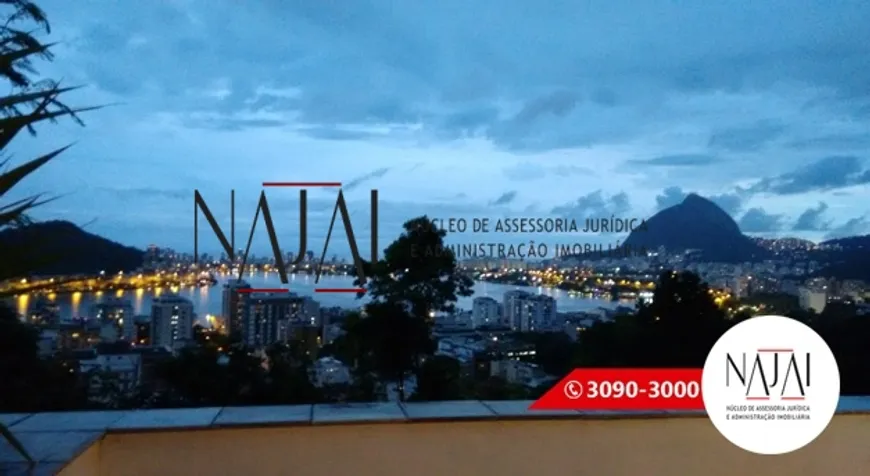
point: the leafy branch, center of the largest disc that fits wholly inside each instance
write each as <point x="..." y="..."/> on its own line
<point x="31" y="102"/>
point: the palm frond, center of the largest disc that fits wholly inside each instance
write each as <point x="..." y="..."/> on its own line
<point x="10" y="39"/>
<point x="27" y="10"/>
<point x="12" y="125"/>
<point x="9" y="179"/>
<point x="31" y="102"/>
<point x="29" y="97"/>
<point x="16" y="51"/>
<point x="8" y="58"/>
<point x="14" y="214"/>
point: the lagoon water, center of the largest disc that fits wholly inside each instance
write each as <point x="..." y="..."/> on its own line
<point x="207" y="300"/>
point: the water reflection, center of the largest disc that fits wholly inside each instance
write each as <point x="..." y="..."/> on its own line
<point x="207" y="300"/>
<point x="23" y="305"/>
<point x="139" y="302"/>
<point x="75" y="304"/>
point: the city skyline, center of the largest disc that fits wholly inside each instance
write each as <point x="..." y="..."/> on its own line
<point x="660" y="152"/>
<point x="618" y="111"/>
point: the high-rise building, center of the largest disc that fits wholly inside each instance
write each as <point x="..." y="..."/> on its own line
<point x="526" y="312"/>
<point x="233" y="303"/>
<point x="538" y="311"/>
<point x="116" y="319"/>
<point x="126" y="370"/>
<point x="310" y="311"/>
<point x="485" y="311"/>
<point x="512" y="306"/>
<point x="739" y="285"/>
<point x="269" y="318"/>
<point x="261" y="319"/>
<point x="171" y="321"/>
<point x="811" y="299"/>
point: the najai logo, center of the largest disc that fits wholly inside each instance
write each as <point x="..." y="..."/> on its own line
<point x="771" y="385"/>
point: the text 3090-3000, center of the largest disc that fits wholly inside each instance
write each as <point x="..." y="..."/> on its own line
<point x="625" y="389"/>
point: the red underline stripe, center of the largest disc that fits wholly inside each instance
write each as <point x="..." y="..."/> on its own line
<point x="302" y="184"/>
<point x="263" y="290"/>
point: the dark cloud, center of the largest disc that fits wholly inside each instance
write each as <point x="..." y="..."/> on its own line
<point x="747" y="138"/>
<point x="505" y="198"/>
<point x="462" y="76"/>
<point x="521" y="132"/>
<point x="812" y="219"/>
<point x="853" y="227"/>
<point x="705" y="67"/>
<point x="400" y="211"/>
<point x="731" y="203"/>
<point x="563" y="170"/>
<point x="467" y="122"/>
<point x="328" y="133"/>
<point x="356" y="182"/>
<point x="829" y="173"/>
<point x="595" y="204"/>
<point x="679" y="160"/>
<point x="525" y="171"/>
<point x="833" y="141"/>
<point x="532" y="208"/>
<point x="669" y="197"/>
<point x="756" y="220"/>
<point x="862" y="112"/>
<point x="147" y="192"/>
<point x="558" y="103"/>
<point x="604" y="97"/>
<point x="231" y="124"/>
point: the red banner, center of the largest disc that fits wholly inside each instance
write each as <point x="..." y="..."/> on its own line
<point x="625" y="389"/>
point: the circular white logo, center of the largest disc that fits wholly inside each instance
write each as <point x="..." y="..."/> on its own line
<point x="771" y="385"/>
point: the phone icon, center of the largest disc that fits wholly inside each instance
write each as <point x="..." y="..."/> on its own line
<point x="573" y="390"/>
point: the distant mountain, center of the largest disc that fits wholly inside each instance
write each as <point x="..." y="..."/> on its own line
<point x="784" y="244"/>
<point x="60" y="247"/>
<point x="696" y="224"/>
<point x="848" y="258"/>
<point x="861" y="242"/>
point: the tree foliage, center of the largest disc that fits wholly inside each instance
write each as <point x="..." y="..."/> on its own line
<point x="417" y="277"/>
<point x="420" y="271"/>
<point x="208" y="375"/>
<point x="676" y="330"/>
<point x="30" y="383"/>
<point x="683" y="322"/>
<point x="439" y="378"/>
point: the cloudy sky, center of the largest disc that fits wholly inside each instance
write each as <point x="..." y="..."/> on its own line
<point x="458" y="108"/>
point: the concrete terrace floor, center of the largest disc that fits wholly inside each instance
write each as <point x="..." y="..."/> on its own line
<point x="56" y="439"/>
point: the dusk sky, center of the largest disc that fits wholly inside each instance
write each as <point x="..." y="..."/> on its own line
<point x="458" y="108"/>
